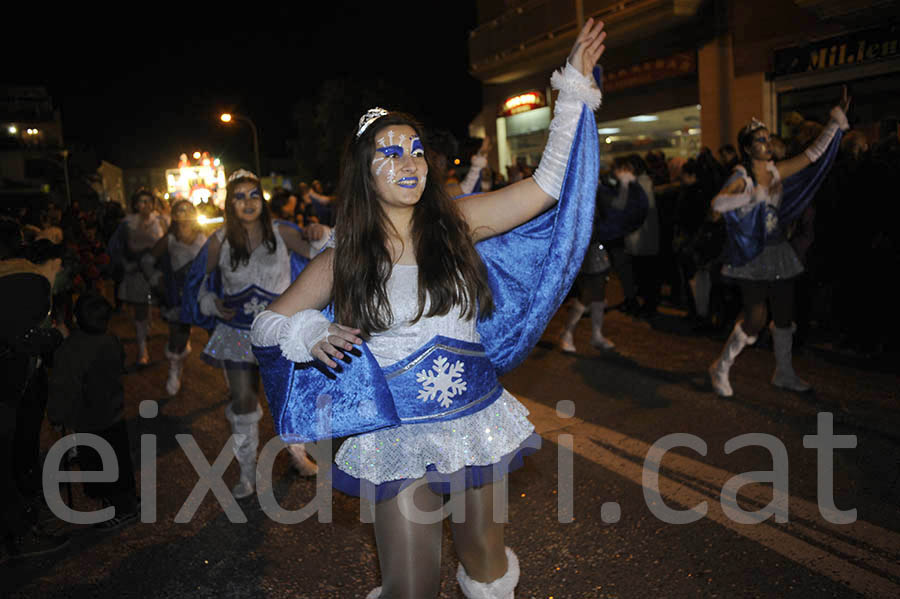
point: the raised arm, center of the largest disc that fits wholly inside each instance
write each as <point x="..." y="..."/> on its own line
<point x="295" y="322"/>
<point x="837" y="120"/>
<point x="499" y="211"/>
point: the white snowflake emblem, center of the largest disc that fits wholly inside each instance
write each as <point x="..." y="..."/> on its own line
<point x="441" y="382"/>
<point x="254" y="307"/>
<point x="771" y="222"/>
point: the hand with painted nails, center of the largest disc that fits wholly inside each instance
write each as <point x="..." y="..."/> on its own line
<point x="339" y="339"/>
<point x="588" y="47"/>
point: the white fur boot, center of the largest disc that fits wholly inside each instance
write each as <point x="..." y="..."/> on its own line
<point x="374" y="593"/>
<point x="784" y="376"/>
<point x="598" y="309"/>
<point x="718" y="370"/>
<point x="502" y="588"/>
<point x="245" y="441"/>
<point x="567" y="338"/>
<point x="300" y="459"/>
<point x="141" y="330"/>
<point x="176" y="366"/>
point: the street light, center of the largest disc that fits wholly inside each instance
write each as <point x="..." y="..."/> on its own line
<point x="227" y="117"/>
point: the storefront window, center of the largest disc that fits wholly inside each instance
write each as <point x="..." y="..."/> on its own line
<point x="675" y="132"/>
<point x="521" y="137"/>
<point x="874" y="110"/>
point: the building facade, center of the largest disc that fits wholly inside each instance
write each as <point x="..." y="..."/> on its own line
<point x="682" y="74"/>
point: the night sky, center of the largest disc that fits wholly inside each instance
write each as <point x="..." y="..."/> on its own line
<point x="140" y="88"/>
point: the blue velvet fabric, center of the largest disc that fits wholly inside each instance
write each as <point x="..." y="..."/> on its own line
<point x="530" y="270"/>
<point x="405" y="380"/>
<point x="190" y="306"/>
<point x="532" y="267"/>
<point x="246" y="305"/>
<point x="746" y="231"/>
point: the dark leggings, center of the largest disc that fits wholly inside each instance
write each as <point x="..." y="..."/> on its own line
<point x="179" y="333"/>
<point x="409" y="553"/>
<point x="780" y="296"/>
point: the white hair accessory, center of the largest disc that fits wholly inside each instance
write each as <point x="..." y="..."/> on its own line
<point x="242" y="174"/>
<point x="754" y="125"/>
<point x="370" y="117"/>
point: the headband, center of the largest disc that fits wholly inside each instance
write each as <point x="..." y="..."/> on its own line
<point x="370" y="117"/>
<point x="753" y="125"/>
<point x="242" y="174"/>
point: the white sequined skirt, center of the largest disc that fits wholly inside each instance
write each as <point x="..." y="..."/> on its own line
<point x="229" y="345"/>
<point x="406" y="451"/>
<point x="776" y="262"/>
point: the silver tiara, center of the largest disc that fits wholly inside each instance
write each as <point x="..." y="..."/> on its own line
<point x="753" y="125"/>
<point x="242" y="174"/>
<point x="370" y="117"/>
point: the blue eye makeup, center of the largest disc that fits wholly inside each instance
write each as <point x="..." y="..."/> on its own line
<point x="391" y="151"/>
<point x="417" y="149"/>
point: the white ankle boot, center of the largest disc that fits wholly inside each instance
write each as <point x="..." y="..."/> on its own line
<point x="502" y="588"/>
<point x="300" y="459"/>
<point x="784" y="376"/>
<point x="567" y="338"/>
<point x="718" y="370"/>
<point x="598" y="309"/>
<point x="245" y="441"/>
<point x="176" y="366"/>
<point x="142" y="330"/>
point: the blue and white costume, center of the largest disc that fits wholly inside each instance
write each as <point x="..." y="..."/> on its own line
<point x="423" y="398"/>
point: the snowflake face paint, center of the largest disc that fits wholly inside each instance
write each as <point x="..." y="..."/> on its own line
<point x="399" y="168"/>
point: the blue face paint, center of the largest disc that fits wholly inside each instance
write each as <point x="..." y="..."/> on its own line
<point x="392" y="152"/>
<point x="417" y="149"/>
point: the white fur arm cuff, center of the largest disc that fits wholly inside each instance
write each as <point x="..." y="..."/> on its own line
<point x="837" y="121"/>
<point x="726" y="202"/>
<point x="295" y="335"/>
<point x="575" y="90"/>
<point x="468" y="184"/>
<point x="207" y="300"/>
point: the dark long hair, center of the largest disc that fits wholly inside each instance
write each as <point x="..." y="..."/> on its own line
<point x="451" y="273"/>
<point x="235" y="232"/>
<point x="745" y="140"/>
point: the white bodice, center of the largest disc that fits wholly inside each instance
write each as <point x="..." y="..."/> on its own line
<point x="268" y="271"/>
<point x="181" y="253"/>
<point x="142" y="235"/>
<point x="404" y="337"/>
<point x="772" y="194"/>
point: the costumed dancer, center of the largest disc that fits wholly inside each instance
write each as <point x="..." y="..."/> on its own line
<point x="619" y="212"/>
<point x="423" y="321"/>
<point x="241" y="268"/>
<point x="759" y="202"/>
<point x="132" y="240"/>
<point x="171" y="260"/>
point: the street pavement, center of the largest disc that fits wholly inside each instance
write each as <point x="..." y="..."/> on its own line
<point x="584" y="514"/>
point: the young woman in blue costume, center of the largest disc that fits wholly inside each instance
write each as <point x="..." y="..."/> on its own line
<point x="167" y="268"/>
<point x="242" y="267"/>
<point x="758" y="202"/>
<point x="412" y="294"/>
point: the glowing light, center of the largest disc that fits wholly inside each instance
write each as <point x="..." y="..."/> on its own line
<point x="693" y="131"/>
<point x="644" y="118"/>
<point x="267" y="195"/>
<point x="166" y="196"/>
<point x="226" y="118"/>
<point x="217" y="162"/>
<point x="456" y="161"/>
<point x="205" y="220"/>
<point x="523" y="103"/>
<point x="608" y="130"/>
<point x="196" y="155"/>
<point x="12" y="130"/>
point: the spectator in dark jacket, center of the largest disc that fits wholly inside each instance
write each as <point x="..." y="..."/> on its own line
<point x="86" y="396"/>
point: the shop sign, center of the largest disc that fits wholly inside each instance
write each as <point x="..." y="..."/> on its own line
<point x="683" y="63"/>
<point x="522" y="103"/>
<point x="861" y="47"/>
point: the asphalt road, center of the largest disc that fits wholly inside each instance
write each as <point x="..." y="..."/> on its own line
<point x="584" y="518"/>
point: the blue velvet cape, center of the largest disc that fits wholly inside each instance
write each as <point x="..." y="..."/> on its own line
<point x="190" y="304"/>
<point x="746" y="231"/>
<point x="530" y="271"/>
